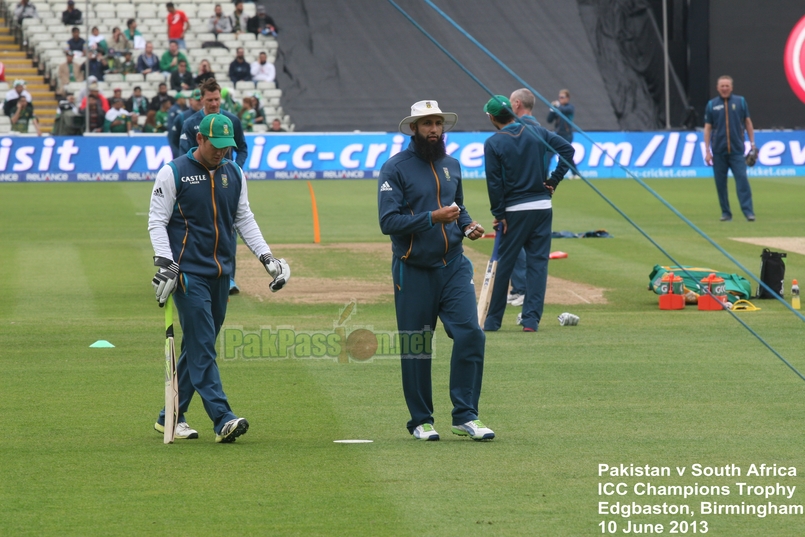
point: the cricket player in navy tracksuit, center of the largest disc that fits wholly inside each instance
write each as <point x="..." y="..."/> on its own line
<point x="520" y="194"/>
<point x="211" y="104"/>
<point x="198" y="204"/>
<point x="421" y="206"/>
<point x="725" y="119"/>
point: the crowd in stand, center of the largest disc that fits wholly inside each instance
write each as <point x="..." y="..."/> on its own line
<point x="127" y="52"/>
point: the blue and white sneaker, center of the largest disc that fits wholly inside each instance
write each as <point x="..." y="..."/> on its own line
<point x="475" y="430"/>
<point x="425" y="432"/>
<point x="233" y="287"/>
<point x="231" y="430"/>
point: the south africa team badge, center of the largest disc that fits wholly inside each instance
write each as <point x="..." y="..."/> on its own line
<point x="446" y="173"/>
<point x="224" y="180"/>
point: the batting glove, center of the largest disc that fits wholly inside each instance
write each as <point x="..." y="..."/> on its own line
<point x="278" y="269"/>
<point x="165" y="279"/>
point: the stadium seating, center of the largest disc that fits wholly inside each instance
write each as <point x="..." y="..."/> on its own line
<point x="45" y="40"/>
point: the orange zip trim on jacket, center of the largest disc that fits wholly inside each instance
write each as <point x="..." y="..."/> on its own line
<point x="215" y="220"/>
<point x="439" y="202"/>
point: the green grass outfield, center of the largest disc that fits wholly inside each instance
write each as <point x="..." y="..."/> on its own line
<point x="630" y="384"/>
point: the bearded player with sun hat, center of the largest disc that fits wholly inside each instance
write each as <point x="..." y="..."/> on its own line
<point x="198" y="204"/>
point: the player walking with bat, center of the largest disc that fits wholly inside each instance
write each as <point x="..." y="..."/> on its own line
<point x="520" y="197"/>
<point x="421" y="207"/>
<point x="198" y="204"/>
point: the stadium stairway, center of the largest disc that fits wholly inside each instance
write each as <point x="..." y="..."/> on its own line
<point x="18" y="65"/>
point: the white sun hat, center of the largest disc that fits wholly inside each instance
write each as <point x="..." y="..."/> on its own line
<point x="421" y="109"/>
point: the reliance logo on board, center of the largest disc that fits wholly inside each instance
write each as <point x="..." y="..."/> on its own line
<point x="98" y="176"/>
<point x="46" y="177"/>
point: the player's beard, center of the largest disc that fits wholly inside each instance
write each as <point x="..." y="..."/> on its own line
<point x="429" y="151"/>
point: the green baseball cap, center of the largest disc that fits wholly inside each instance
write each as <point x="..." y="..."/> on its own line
<point x="179" y="95"/>
<point x="196" y="95"/>
<point x="218" y="128"/>
<point x="497" y="104"/>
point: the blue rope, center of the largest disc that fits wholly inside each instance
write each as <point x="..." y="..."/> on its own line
<point x="596" y="190"/>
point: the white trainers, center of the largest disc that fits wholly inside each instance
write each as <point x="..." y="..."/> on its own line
<point x="231" y="430"/>
<point x="512" y="297"/>
<point x="183" y="431"/>
<point x="425" y="432"/>
<point x="519" y="319"/>
<point x="518" y="301"/>
<point x="475" y="430"/>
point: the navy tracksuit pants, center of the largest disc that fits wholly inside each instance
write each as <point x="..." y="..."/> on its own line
<point x="421" y="296"/>
<point x="201" y="303"/>
<point x="529" y="230"/>
<point x="722" y="163"/>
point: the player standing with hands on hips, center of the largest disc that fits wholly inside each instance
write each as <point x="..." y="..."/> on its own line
<point x="198" y="204"/>
<point x="520" y="197"/>
<point x="725" y="119"/>
<point x="421" y="207"/>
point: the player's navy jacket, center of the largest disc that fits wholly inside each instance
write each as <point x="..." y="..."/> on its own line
<point x="728" y="118"/>
<point x="409" y="189"/>
<point x="175" y="130"/>
<point x="187" y="139"/>
<point x="516" y="163"/>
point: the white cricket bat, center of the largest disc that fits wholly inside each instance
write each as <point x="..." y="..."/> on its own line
<point x="489" y="281"/>
<point x="171" y="382"/>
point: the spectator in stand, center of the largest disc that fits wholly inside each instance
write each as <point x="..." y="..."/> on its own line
<point x="150" y="122"/>
<point x="71" y="16"/>
<point x="97" y="41"/>
<point x="68" y="72"/>
<point x="119" y="44"/>
<point x="238" y="19"/>
<point x="181" y="78"/>
<point x="69" y="121"/>
<point x="127" y="65"/>
<point x="95" y="65"/>
<point x="178" y="107"/>
<point x="161" y="97"/>
<point x="15" y="93"/>
<point x="76" y="43"/>
<point x="247" y="115"/>
<point x="240" y="69"/>
<point x="178" y="24"/>
<point x="261" y="23"/>
<point x="25" y="10"/>
<point x="95" y="93"/>
<point x="219" y="23"/>
<point x="133" y="35"/>
<point x="22" y="114"/>
<point x="18" y="91"/>
<point x="259" y="117"/>
<point x="171" y="58"/>
<point x="204" y="73"/>
<point x="97" y="109"/>
<point x="228" y="102"/>
<point x="117" y="93"/>
<point x="148" y="61"/>
<point x="162" y="116"/>
<point x="263" y="70"/>
<point x="137" y="104"/>
<point x="117" y="119"/>
<point x="276" y="126"/>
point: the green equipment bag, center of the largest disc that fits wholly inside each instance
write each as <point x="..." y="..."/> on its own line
<point x="738" y="287"/>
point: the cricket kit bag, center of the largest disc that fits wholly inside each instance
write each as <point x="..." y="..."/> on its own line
<point x="772" y="273"/>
